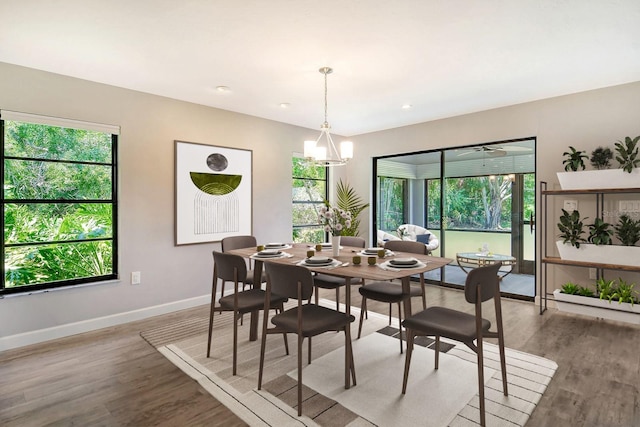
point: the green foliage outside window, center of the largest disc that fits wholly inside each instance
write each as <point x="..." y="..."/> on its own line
<point x="391" y="203"/>
<point x="58" y="205"/>
<point x="309" y="193"/>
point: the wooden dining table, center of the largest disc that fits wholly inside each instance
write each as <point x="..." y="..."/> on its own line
<point x="347" y="270"/>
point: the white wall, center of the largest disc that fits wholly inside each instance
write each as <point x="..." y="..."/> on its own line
<point x="175" y="277"/>
<point x="149" y="126"/>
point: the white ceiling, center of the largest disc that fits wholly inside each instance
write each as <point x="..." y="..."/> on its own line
<point x="445" y="58"/>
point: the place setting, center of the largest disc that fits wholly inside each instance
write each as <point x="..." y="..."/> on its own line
<point x="318" y="261"/>
<point x="270" y="254"/>
<point x="397" y="264"/>
<point x="277" y="245"/>
<point x="379" y="252"/>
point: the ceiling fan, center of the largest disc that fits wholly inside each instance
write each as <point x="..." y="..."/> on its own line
<point x="494" y="150"/>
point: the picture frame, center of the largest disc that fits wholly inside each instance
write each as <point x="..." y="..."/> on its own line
<point x="213" y="192"/>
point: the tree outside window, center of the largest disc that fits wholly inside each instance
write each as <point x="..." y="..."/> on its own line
<point x="59" y="206"/>
<point x="309" y="193"/>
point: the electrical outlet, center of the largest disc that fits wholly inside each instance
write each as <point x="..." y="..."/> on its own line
<point x="593" y="273"/>
<point x="135" y="277"/>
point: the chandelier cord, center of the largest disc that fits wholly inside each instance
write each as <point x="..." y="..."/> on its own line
<point x="325" y="98"/>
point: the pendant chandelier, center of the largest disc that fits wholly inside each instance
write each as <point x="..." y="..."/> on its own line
<point x="323" y="151"/>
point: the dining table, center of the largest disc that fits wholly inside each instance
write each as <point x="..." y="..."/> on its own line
<point x="380" y="270"/>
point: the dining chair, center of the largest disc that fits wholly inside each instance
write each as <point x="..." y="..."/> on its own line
<point x="232" y="268"/>
<point x="391" y="292"/>
<point x="306" y="320"/>
<point x="326" y="281"/>
<point x="241" y="242"/>
<point x="482" y="284"/>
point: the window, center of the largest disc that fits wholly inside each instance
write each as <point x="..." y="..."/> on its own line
<point x="59" y="202"/>
<point x="309" y="193"/>
<point x="391" y="203"/>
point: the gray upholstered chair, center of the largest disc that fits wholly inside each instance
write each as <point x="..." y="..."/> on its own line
<point x="326" y="281"/>
<point x="241" y="242"/>
<point x="306" y="320"/>
<point x="390" y="292"/>
<point x="232" y="268"/>
<point x="482" y="284"/>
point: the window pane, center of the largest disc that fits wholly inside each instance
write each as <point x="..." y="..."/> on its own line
<point x="391" y="209"/>
<point x="28" y="265"/>
<point x="309" y="190"/>
<point x="25" y="223"/>
<point x="302" y="170"/>
<point x="308" y="235"/>
<point x="478" y="203"/>
<point x="433" y="204"/>
<point x="51" y="142"/>
<point x="306" y="213"/>
<point x="26" y="179"/>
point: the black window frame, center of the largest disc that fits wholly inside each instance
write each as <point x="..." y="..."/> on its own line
<point x="319" y="203"/>
<point x="113" y="201"/>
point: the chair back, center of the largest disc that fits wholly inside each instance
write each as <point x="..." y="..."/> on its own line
<point x="225" y="265"/>
<point x="406" y="246"/>
<point x="357" y="242"/>
<point x="284" y="279"/>
<point x="238" y="242"/>
<point x="487" y="279"/>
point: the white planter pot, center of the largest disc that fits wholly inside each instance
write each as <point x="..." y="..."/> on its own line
<point x="603" y="254"/>
<point x="595" y="307"/>
<point x="605" y="178"/>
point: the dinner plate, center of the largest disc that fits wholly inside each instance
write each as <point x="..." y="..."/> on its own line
<point x="372" y="251"/>
<point x="403" y="265"/>
<point x="403" y="261"/>
<point x="275" y="245"/>
<point x="268" y="254"/>
<point x="316" y="260"/>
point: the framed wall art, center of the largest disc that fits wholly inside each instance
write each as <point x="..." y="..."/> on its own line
<point x="213" y="193"/>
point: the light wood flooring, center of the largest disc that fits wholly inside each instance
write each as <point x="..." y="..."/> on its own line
<point x="112" y="377"/>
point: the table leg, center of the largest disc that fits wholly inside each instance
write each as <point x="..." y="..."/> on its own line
<point x="253" y="321"/>
<point x="347" y="359"/>
<point x="406" y="288"/>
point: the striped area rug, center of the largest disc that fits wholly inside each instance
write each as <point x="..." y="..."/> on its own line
<point x="379" y="370"/>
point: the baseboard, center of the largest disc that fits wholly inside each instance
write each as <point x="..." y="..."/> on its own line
<point x="47" y="334"/>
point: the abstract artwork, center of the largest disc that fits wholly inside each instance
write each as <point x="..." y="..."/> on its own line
<point x="213" y="192"/>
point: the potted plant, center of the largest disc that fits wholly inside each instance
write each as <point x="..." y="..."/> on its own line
<point x="627" y="230"/>
<point x="574" y="160"/>
<point x="573" y="298"/>
<point x="571" y="228"/>
<point x="627" y="176"/>
<point x="628" y="153"/>
<point x="601" y="158"/>
<point x="597" y="248"/>
<point x="600" y="232"/>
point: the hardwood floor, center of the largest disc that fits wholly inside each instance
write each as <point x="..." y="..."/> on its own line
<point x="112" y="377"/>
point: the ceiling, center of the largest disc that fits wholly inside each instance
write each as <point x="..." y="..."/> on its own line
<point x="444" y="58"/>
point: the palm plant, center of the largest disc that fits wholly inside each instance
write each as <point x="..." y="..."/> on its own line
<point x="349" y="201"/>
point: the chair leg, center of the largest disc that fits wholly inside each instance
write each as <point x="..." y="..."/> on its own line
<point x="235" y="340"/>
<point x="437" y="350"/>
<point x="315" y="291"/>
<point x="407" y="361"/>
<point x="400" y="320"/>
<point x="300" y="375"/>
<point x="284" y="334"/>
<point x="390" y="305"/>
<point x="337" y="299"/>
<point x="424" y="292"/>
<point x="309" y="351"/>
<point x="211" y="312"/>
<point x="363" y="309"/>
<point x="481" y="381"/>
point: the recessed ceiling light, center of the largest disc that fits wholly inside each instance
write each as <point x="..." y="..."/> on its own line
<point x="223" y="89"/>
<point x="406" y="106"/>
<point x="285" y="105"/>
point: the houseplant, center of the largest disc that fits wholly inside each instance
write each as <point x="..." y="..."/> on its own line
<point x="350" y="202"/>
<point x="627" y="230"/>
<point x="574" y="160"/>
<point x="627" y="153"/>
<point x="573" y="247"/>
<point x="600" y="232"/>
<point x="614" y="300"/>
<point x="627" y="176"/>
<point x="601" y="158"/>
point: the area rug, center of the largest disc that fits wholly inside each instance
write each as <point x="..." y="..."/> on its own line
<point x="446" y="397"/>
